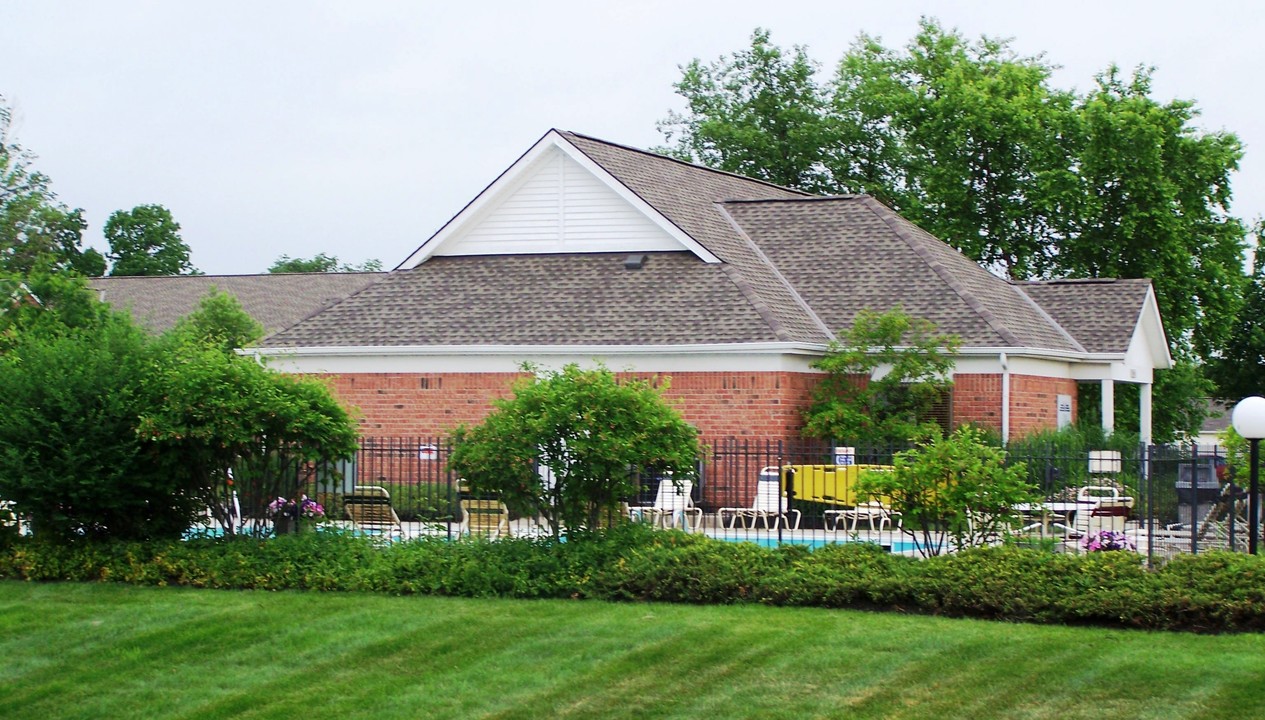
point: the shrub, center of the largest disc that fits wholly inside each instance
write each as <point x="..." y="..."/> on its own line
<point x="1213" y="592"/>
<point x="957" y="484"/>
<point x="588" y="430"/>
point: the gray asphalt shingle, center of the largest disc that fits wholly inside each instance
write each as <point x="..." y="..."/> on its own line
<point x="794" y="268"/>
<point x="276" y="301"/>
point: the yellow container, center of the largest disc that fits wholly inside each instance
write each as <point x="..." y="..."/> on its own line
<point x="828" y="484"/>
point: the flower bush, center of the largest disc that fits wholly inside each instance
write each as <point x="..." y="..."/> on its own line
<point x="305" y="507"/>
<point x="1107" y="540"/>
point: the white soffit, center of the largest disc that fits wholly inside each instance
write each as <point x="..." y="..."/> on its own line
<point x="554" y="199"/>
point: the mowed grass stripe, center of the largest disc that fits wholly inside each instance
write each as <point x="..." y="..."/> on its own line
<point x="108" y="651"/>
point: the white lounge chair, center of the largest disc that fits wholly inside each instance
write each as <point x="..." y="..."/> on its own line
<point x="673" y="506"/>
<point x="871" y="512"/>
<point x="769" y="503"/>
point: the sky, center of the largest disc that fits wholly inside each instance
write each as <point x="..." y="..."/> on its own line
<point x="357" y="129"/>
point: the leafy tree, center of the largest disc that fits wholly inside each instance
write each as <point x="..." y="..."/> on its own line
<point x="219" y="322"/>
<point x="1155" y="204"/>
<point x="952" y="492"/>
<point x="146" y="241"/>
<point x="222" y="411"/>
<point x="758" y="113"/>
<point x="70" y="457"/>
<point x="50" y="303"/>
<point x="36" y="231"/>
<point x="321" y="263"/>
<point x="589" y="429"/>
<point x="970" y="141"/>
<point x="1239" y="368"/>
<point x="851" y="404"/>
<point x="967" y="139"/>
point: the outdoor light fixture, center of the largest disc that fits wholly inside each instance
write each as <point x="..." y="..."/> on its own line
<point x="1248" y="419"/>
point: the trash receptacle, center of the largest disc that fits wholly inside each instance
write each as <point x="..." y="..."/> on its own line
<point x="1197" y="489"/>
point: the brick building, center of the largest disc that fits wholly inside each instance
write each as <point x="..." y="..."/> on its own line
<point x="585" y="251"/>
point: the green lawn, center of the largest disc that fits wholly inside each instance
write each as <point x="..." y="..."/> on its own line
<point x="107" y="651"/>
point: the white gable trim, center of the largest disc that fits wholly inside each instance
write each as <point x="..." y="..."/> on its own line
<point x="1149" y="332"/>
<point x="448" y="237"/>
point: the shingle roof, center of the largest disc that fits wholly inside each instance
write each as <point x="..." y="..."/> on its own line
<point x="687" y="195"/>
<point x="849" y="253"/>
<point x="795" y="268"/>
<point x="575" y="299"/>
<point x="1100" y="314"/>
<point x="276" y="301"/>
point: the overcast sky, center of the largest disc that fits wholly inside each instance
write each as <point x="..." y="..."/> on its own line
<point x="357" y="129"/>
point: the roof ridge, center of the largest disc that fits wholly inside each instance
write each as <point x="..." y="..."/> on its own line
<point x="679" y="161"/>
<point x="809" y="198"/>
<point x="1082" y="281"/>
<point x="777" y="273"/>
<point x="762" y="308"/>
<point x="1042" y="311"/>
<point x="234" y="275"/>
<point x="889" y="218"/>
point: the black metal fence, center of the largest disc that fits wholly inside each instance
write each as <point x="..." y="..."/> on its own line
<point x="1174" y="498"/>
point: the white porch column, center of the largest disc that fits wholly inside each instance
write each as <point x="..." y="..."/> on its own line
<point x="1108" y="406"/>
<point x="1144" y="413"/>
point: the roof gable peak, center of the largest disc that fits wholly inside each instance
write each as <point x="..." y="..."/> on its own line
<point x="555" y="199"/>
<point x="687" y="163"/>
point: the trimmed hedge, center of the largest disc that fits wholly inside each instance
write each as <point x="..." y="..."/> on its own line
<point x="1211" y="592"/>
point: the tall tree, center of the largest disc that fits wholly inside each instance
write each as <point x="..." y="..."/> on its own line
<point x="759" y="113"/>
<point x="968" y="138"/>
<point x="321" y="263"/>
<point x="36" y="230"/>
<point x="1155" y="203"/>
<point x="146" y="241"/>
<point x="1239" y="368"/>
<point x="970" y="141"/>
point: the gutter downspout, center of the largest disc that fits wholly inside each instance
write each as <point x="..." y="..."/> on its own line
<point x="1005" y="400"/>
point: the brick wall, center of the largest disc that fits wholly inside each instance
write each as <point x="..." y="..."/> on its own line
<point x="1033" y="401"/>
<point x="756" y="405"/>
<point x="419" y="405"/>
<point x="720" y="404"/>
<point x="977" y="400"/>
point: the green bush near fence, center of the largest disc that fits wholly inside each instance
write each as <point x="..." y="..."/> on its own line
<point x="1212" y="592"/>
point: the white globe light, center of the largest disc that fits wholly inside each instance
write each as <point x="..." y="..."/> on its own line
<point x="1248" y="417"/>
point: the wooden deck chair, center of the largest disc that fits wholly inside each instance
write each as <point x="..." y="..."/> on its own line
<point x="370" y="512"/>
<point x="673" y="507"/>
<point x="485" y="518"/>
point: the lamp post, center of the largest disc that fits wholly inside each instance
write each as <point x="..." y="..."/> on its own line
<point x="1248" y="419"/>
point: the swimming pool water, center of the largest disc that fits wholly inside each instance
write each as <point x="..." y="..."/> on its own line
<point x="896" y="546"/>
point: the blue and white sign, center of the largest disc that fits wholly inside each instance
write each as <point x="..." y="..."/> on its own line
<point x="845" y="456"/>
